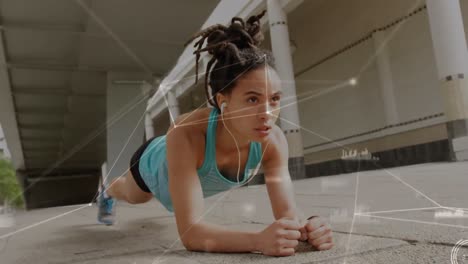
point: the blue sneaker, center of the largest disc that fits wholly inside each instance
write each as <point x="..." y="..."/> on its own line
<point x="106" y="211"/>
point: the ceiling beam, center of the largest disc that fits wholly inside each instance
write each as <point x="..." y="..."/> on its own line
<point x="42" y="110"/>
<point x="54" y="126"/>
<point x="52" y="91"/>
<point x="46" y="65"/>
<point x="47" y="156"/>
<point x="59" y="178"/>
<point x="34" y="26"/>
<point x="61" y="171"/>
<point x="79" y="31"/>
<point x="35" y="139"/>
<point x="30" y="149"/>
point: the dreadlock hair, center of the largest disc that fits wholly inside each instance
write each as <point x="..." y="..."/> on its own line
<point x="234" y="51"/>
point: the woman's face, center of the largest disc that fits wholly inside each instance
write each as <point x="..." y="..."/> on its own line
<point x="254" y="104"/>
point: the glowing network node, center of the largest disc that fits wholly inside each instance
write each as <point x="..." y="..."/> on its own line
<point x="248" y="209"/>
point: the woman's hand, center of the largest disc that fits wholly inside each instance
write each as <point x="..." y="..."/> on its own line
<point x="317" y="233"/>
<point x="279" y="238"/>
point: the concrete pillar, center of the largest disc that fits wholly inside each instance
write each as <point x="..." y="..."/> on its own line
<point x="385" y="78"/>
<point x="172" y="105"/>
<point x="149" y="129"/>
<point x="289" y="122"/>
<point x="451" y="54"/>
<point x="126" y="107"/>
<point x="149" y="89"/>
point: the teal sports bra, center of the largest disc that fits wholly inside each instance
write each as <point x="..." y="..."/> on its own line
<point x="154" y="172"/>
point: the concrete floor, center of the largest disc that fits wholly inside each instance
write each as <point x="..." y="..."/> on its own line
<point x="413" y="227"/>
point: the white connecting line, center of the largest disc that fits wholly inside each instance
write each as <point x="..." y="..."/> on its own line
<point x="356" y="191"/>
<point x="81" y="145"/>
<point x="87" y="205"/>
<point x="42" y="222"/>
<point x="413" y="221"/>
<point x="368" y="214"/>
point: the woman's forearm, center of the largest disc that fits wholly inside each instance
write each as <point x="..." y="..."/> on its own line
<point x="214" y="238"/>
<point x="290" y="214"/>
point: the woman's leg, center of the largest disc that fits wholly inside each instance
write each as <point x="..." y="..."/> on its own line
<point x="125" y="188"/>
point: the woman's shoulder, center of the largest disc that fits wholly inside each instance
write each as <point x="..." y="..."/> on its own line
<point x="191" y="125"/>
<point x="192" y="121"/>
<point x="189" y="131"/>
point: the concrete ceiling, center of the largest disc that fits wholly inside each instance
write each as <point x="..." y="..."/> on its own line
<point x="58" y="54"/>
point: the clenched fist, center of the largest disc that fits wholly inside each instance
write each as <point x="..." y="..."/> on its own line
<point x="317" y="233"/>
<point x="280" y="238"/>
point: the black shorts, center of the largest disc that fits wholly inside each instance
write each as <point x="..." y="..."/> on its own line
<point x="135" y="164"/>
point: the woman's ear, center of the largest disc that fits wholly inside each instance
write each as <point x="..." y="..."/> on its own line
<point x="220" y="98"/>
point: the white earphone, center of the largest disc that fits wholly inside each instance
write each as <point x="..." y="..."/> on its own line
<point x="224" y="104"/>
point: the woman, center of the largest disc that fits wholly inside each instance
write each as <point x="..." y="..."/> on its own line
<point x="211" y="150"/>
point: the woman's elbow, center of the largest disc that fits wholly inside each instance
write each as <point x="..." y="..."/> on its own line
<point x="199" y="244"/>
<point x="188" y="243"/>
<point x="191" y="245"/>
<point x="195" y="239"/>
<point x="189" y="240"/>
